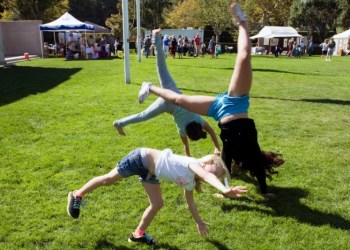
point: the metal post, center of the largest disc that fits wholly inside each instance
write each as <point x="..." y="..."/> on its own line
<point x="138" y="30"/>
<point x="126" y="35"/>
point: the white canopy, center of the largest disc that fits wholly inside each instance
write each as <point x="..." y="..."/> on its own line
<point x="66" y="22"/>
<point x="276" y="31"/>
<point x="345" y="34"/>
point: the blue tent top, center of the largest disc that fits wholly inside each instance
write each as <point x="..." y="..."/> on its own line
<point x="66" y="22"/>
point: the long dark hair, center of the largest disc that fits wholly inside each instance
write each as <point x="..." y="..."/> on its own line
<point x="195" y="131"/>
<point x="270" y="161"/>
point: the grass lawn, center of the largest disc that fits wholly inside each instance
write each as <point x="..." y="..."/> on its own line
<point x="56" y="133"/>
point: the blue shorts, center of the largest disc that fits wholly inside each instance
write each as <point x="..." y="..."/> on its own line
<point x="132" y="164"/>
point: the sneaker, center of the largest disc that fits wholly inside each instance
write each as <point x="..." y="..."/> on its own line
<point x="145" y="238"/>
<point x="144" y="91"/>
<point x="73" y="207"/>
<point x="237" y="11"/>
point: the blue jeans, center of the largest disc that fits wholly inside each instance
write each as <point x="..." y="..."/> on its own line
<point x="132" y="164"/>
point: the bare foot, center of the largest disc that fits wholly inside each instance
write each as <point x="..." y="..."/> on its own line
<point x="155" y="32"/>
<point x="119" y="128"/>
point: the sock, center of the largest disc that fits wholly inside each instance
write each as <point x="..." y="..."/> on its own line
<point x="78" y="195"/>
<point x="139" y="233"/>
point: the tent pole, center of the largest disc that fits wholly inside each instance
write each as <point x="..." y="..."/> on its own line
<point x="41" y="44"/>
<point x="54" y="39"/>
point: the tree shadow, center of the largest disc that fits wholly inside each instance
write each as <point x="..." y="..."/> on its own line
<point x="17" y="82"/>
<point x="287" y="204"/>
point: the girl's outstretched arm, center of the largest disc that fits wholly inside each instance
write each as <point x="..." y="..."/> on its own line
<point x="184" y="140"/>
<point x="231" y="192"/>
<point x="201" y="225"/>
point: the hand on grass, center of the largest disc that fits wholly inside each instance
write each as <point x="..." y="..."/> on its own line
<point x="235" y="192"/>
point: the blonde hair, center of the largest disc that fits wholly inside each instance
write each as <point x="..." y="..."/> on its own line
<point x="219" y="164"/>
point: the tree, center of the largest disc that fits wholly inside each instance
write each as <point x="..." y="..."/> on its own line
<point x="201" y="13"/>
<point x="45" y="10"/>
<point x="96" y="11"/>
<point x="179" y="17"/>
<point x="266" y="12"/>
<point x="315" y="15"/>
<point x="344" y="16"/>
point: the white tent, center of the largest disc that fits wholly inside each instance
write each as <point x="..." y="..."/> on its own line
<point x="345" y="34"/>
<point x="342" y="41"/>
<point x="276" y="32"/>
<point x="64" y="23"/>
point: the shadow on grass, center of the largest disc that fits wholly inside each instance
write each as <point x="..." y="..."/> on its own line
<point x="17" y="82"/>
<point x="104" y="244"/>
<point x="287" y="204"/>
<point x="218" y="245"/>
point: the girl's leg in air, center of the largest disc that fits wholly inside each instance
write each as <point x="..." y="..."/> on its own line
<point x="165" y="79"/>
<point x="196" y="104"/>
<point x="103" y="180"/>
<point x="158" y="107"/>
<point x="241" y="80"/>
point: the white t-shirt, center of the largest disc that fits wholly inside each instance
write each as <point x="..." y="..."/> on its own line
<point x="174" y="168"/>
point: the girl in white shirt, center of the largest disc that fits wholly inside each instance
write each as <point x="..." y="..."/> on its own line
<point x="151" y="165"/>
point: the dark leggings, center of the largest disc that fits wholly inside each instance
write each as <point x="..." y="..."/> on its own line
<point x="240" y="143"/>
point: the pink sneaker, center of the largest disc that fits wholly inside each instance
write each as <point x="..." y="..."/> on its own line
<point x="237" y="11"/>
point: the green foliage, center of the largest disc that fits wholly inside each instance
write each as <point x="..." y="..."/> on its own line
<point x="56" y="133"/>
<point x="315" y="15"/>
<point x="45" y="10"/>
<point x="96" y="11"/>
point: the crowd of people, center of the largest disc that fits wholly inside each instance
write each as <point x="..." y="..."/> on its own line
<point x="181" y="46"/>
<point x="238" y="135"/>
<point x="81" y="47"/>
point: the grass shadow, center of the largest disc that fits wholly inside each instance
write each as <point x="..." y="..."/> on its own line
<point x="287" y="204"/>
<point x="17" y="82"/>
<point x="104" y="244"/>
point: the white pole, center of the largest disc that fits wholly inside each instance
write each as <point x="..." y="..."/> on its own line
<point x="126" y="41"/>
<point x="2" y="57"/>
<point x="138" y="30"/>
<point x="42" y="43"/>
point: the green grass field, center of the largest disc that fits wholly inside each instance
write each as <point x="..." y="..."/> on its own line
<point x="56" y="133"/>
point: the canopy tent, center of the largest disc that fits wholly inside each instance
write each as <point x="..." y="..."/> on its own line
<point x="342" y="41"/>
<point x="345" y="34"/>
<point x="98" y="28"/>
<point x="64" y="23"/>
<point x="275" y="32"/>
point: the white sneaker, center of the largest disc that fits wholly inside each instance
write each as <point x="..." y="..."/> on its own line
<point x="144" y="91"/>
<point x="237" y="11"/>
